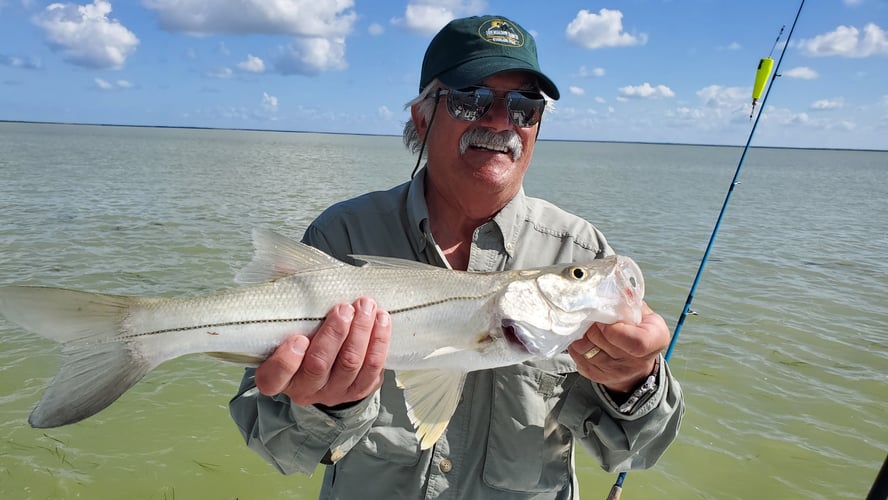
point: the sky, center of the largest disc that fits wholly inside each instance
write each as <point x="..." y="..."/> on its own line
<point x="677" y="71"/>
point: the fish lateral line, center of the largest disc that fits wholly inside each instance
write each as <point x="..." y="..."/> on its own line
<point x="222" y="324"/>
<point x="247" y="322"/>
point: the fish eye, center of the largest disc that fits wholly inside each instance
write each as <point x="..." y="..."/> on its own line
<point x="577" y="273"/>
<point x="633" y="282"/>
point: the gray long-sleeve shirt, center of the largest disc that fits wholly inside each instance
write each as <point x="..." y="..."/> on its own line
<point x="512" y="435"/>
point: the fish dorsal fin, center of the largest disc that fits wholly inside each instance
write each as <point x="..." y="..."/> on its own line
<point x="431" y="397"/>
<point x="392" y="262"/>
<point x="277" y="256"/>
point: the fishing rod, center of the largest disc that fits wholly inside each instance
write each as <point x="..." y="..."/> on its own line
<point x="764" y="67"/>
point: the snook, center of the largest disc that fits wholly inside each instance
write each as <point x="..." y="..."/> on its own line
<point x="444" y="323"/>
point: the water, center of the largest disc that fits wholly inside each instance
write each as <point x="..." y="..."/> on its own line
<point x="784" y="367"/>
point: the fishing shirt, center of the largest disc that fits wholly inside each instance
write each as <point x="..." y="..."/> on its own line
<point x="513" y="433"/>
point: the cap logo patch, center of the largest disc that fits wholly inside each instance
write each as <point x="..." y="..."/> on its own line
<point x="501" y="32"/>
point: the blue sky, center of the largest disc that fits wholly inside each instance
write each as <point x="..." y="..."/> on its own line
<point x="638" y="70"/>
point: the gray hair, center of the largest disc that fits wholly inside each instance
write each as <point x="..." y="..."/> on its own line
<point x="426" y="105"/>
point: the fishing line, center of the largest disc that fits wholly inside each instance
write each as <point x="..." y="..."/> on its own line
<point x="617" y="488"/>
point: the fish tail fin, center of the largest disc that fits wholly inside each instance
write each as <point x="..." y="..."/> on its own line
<point x="99" y="365"/>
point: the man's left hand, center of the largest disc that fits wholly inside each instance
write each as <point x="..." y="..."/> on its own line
<point x="628" y="353"/>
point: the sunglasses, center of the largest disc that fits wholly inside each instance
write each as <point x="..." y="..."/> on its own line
<point x="525" y="107"/>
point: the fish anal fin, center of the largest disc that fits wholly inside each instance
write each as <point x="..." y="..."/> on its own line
<point x="242" y="359"/>
<point x="431" y="397"/>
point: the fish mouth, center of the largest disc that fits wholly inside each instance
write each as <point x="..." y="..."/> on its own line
<point x="511" y="335"/>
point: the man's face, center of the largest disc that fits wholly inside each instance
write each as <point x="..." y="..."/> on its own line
<point x="483" y="166"/>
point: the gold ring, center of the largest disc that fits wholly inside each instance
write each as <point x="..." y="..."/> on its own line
<point x="591" y="353"/>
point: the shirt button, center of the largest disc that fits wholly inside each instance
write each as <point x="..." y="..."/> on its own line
<point x="445" y="465"/>
<point x="509" y="246"/>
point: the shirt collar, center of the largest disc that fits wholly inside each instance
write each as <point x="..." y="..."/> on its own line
<point x="509" y="220"/>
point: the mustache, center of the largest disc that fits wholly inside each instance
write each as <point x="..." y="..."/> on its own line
<point x="507" y="140"/>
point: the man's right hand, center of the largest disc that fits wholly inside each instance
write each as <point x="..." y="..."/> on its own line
<point x="343" y="362"/>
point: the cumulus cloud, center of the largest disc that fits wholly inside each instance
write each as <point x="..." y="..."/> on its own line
<point x="269" y="102"/>
<point x="312" y="18"/>
<point x="576" y="90"/>
<point x="20" y="62"/>
<point x="646" y="91"/>
<point x="429" y="16"/>
<point x="716" y="96"/>
<point x="802" y="73"/>
<point x="85" y="35"/>
<point x="605" y="29"/>
<point x="826" y="104"/>
<point x="221" y="74"/>
<point x="252" y="64"/>
<point x="848" y="41"/>
<point x="594" y="72"/>
<point x="106" y="85"/>
<point x="375" y="29"/>
<point x="311" y="56"/>
<point x="384" y="112"/>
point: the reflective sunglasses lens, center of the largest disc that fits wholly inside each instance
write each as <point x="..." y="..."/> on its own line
<point x="524" y="110"/>
<point x="469" y="105"/>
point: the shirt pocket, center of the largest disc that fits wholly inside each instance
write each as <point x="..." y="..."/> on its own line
<point x="528" y="451"/>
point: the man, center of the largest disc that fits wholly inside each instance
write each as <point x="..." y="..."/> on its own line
<point x="329" y="400"/>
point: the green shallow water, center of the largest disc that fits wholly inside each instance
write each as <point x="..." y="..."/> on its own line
<point x="784" y="367"/>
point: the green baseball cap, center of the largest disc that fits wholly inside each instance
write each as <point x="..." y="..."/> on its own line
<point x="468" y="50"/>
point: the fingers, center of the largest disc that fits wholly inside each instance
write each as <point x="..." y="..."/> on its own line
<point x="274" y="374"/>
<point x="627" y="352"/>
<point x="344" y="360"/>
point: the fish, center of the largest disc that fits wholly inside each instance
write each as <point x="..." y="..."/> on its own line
<point x="445" y="323"/>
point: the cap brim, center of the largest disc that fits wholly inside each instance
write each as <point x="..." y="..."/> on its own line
<point x="477" y="70"/>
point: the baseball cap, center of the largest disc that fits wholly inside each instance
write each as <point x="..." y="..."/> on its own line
<point x="468" y="50"/>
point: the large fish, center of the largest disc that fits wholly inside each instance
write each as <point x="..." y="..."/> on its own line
<point x="444" y="323"/>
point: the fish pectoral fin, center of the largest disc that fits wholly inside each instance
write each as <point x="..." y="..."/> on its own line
<point x="431" y="397"/>
<point x="277" y="256"/>
<point x="242" y="359"/>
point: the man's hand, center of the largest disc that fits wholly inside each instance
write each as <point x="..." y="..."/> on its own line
<point x="627" y="354"/>
<point x="343" y="362"/>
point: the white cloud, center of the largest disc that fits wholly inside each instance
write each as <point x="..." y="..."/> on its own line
<point x="429" y="16"/>
<point x="311" y="56"/>
<point x="826" y="104"/>
<point x="221" y="74"/>
<point x="604" y="29"/>
<point x="375" y="29"/>
<point x="103" y="84"/>
<point x="646" y="90"/>
<point x="802" y="73"/>
<point x="312" y="18"/>
<point x="106" y="85"/>
<point x="385" y="113"/>
<point x="594" y="72"/>
<point x="85" y="35"/>
<point x="600" y="100"/>
<point x="716" y="96"/>
<point x="846" y="41"/>
<point x="20" y="62"/>
<point x="577" y="90"/>
<point x="252" y="64"/>
<point x="269" y="102"/>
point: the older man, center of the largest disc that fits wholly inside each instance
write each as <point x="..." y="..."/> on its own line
<point x="512" y="436"/>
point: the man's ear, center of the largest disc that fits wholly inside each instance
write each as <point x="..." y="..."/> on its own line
<point x="419" y="120"/>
